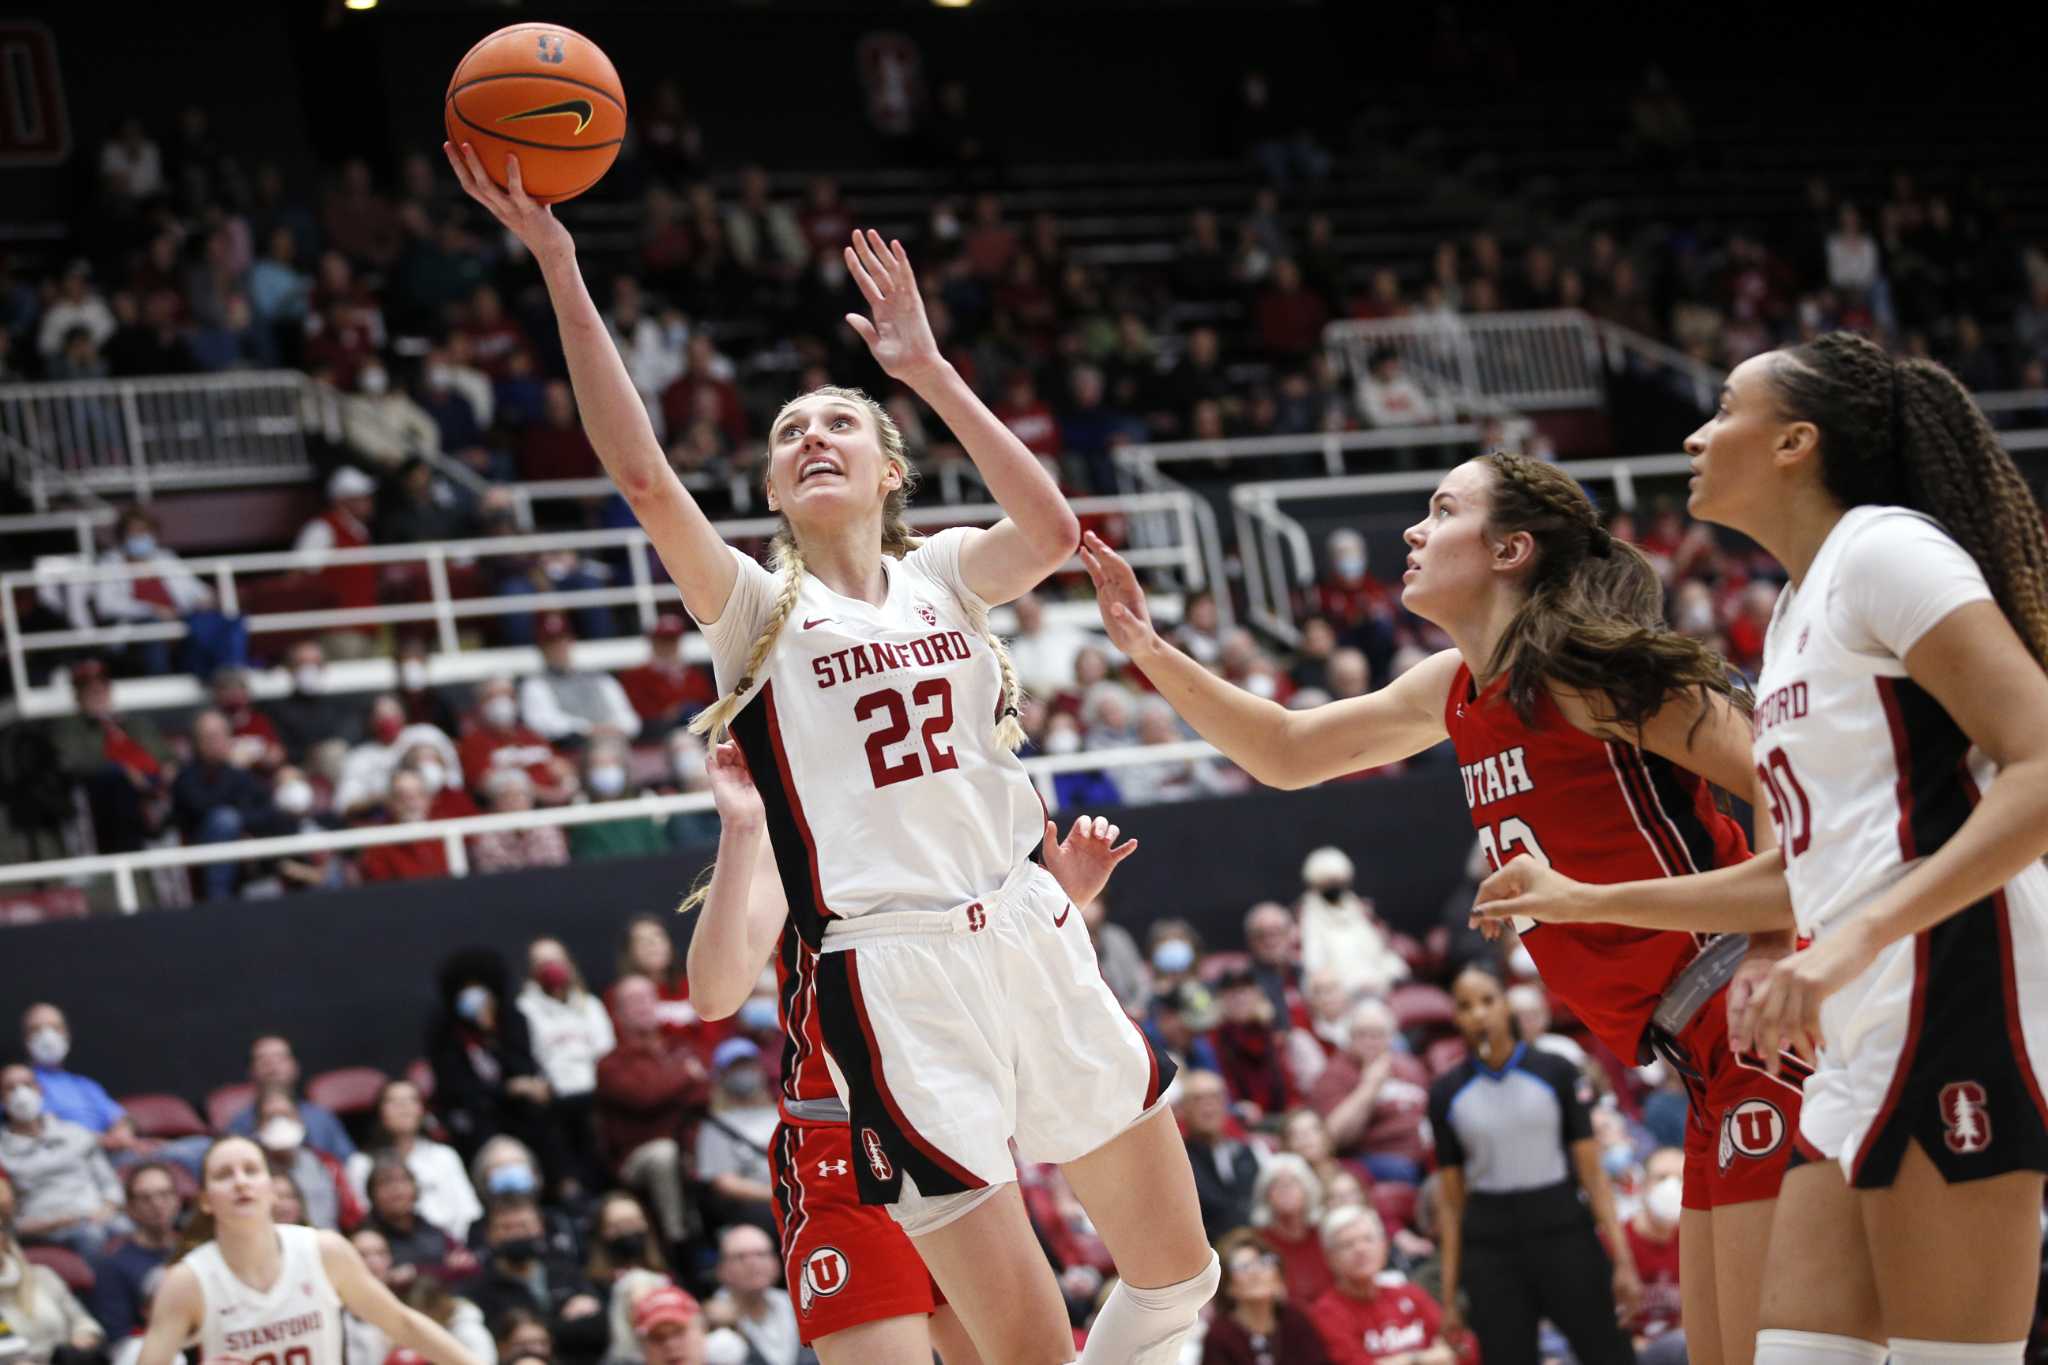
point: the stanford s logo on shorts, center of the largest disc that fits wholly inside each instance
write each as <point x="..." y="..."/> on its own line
<point x="878" y="1159"/>
<point x="1964" y="1115"/>
<point x="1753" y="1128"/>
<point x="825" y="1274"/>
<point x="976" y="918"/>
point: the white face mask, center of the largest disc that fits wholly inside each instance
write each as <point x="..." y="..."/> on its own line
<point x="48" y="1046"/>
<point x="607" y="780"/>
<point x="294" y="798"/>
<point x="1063" y="742"/>
<point x="308" y="677"/>
<point x="24" y="1104"/>
<point x="689" y="765"/>
<point x="281" y="1134"/>
<point x="432" y="776"/>
<point x="501" y="711"/>
<point x="412" y="674"/>
<point x="1665" y="1200"/>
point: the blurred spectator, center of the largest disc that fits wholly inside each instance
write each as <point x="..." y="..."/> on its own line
<point x="446" y="800"/>
<point x="1287" y="1207"/>
<point x="46" y="1039"/>
<point x="1092" y="426"/>
<point x="732" y="1139"/>
<point x="1371" y="1315"/>
<point x="422" y="703"/>
<point x="665" y="692"/>
<point x="688" y="773"/>
<point x="570" y="1032"/>
<point x="324" y="1193"/>
<point x="253" y="740"/>
<point x="367" y="771"/>
<point x="748" y="1300"/>
<point x="168" y="593"/>
<point x="279" y="290"/>
<point x="557" y="447"/>
<point x="235" y="341"/>
<point x="649" y="952"/>
<point x="1044" y="653"/>
<point x="36" y="1306"/>
<point x="425" y="507"/>
<point x="272" y="1063"/>
<point x="505" y="791"/>
<point x="1374" y="1099"/>
<point x="76" y="307"/>
<point x="1226" y="1168"/>
<point x="1852" y="254"/>
<point x="1340" y="933"/>
<point x="1180" y="779"/>
<point x="132" y="171"/>
<point x="522" y="1335"/>
<point x="1249" y="1048"/>
<point x="486" y="1081"/>
<point x="1116" y="952"/>
<point x="607" y="776"/>
<point x="1656" y="1325"/>
<point x="125" y="1277"/>
<point x="1312" y="657"/>
<point x="647" y="1087"/>
<point x="1530" y="1003"/>
<point x="445" y="1197"/>
<point x="1256" y="1321"/>
<point x="763" y="235"/>
<point x="1274" y="944"/>
<point x="505" y="1165"/>
<point x="406" y="802"/>
<point x="1388" y="397"/>
<point x="1287" y="316"/>
<point x="1363" y="610"/>
<point x="706" y="385"/>
<point x="66" y="1191"/>
<point x="1076" y="790"/>
<point x="1029" y="419"/>
<point x="669" y="1327"/>
<point x="497" y="742"/>
<point x="519" y="1273"/>
<point x="562" y="703"/>
<point x="412" y="1241"/>
<point x="312" y="713"/>
<point x="214" y="802"/>
<point x="345" y="525"/>
<point x="625" y="1262"/>
<point x="155" y="343"/>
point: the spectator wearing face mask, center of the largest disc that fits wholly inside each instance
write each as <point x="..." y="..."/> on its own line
<point x="302" y="812"/>
<point x="367" y="769"/>
<point x="570" y="1031"/>
<point x="446" y="799"/>
<point x="168" y="593"/>
<point x="407" y="803"/>
<point x="1084" y="789"/>
<point x="422" y="704"/>
<point x="732" y="1140"/>
<point x="625" y="1262"/>
<point x="486" y="1080"/>
<point x="65" y="1186"/>
<point x="566" y="704"/>
<point x="497" y="740"/>
<point x="1340" y="934"/>
<point x="665" y="691"/>
<point x="1364" y="611"/>
<point x="324" y="1191"/>
<point x="648" y="1088"/>
<point x="507" y="850"/>
<point x="519" y="1272"/>
<point x="607" y="777"/>
<point x="689" y="773"/>
<point x="46" y="1038"/>
<point x="310" y="713"/>
<point x="1657" y="1324"/>
<point x="505" y="1165"/>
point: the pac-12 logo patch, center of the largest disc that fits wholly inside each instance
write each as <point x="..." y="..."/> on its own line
<point x="1964" y="1115"/>
<point x="1753" y="1128"/>
<point x="825" y="1274"/>
<point x="878" y="1159"/>
<point x="927" y="615"/>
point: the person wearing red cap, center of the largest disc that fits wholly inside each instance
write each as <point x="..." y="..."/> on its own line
<point x="670" y="1326"/>
<point x="665" y="690"/>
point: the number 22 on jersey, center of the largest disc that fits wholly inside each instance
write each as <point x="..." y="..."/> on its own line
<point x="933" y="701"/>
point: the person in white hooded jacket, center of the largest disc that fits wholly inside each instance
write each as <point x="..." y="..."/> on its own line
<point x="571" y="1032"/>
<point x="1339" y="932"/>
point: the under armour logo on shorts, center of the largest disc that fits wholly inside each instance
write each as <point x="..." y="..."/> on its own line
<point x="826" y="1168"/>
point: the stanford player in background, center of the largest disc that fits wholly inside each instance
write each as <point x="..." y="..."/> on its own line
<point x="1902" y="737"/>
<point x="1591" y="738"/>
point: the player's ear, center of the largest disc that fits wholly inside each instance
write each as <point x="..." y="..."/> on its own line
<point x="1514" y="551"/>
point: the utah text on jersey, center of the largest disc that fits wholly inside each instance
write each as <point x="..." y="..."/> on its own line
<point x="1496" y="777"/>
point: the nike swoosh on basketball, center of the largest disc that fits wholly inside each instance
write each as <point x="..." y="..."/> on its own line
<point x="1062" y="920"/>
<point x="579" y="109"/>
<point x="816" y="621"/>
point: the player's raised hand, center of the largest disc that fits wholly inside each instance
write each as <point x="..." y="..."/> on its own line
<point x="533" y="224"/>
<point x="1118" y="596"/>
<point x="899" y="335"/>
<point x="732" y="788"/>
<point x="1528" y="889"/>
<point x="1081" y="863"/>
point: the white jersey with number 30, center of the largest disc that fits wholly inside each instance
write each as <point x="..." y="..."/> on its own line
<point x="870" y="733"/>
<point x="298" y="1322"/>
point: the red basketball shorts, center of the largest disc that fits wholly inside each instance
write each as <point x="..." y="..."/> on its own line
<point x="846" y="1263"/>
<point x="1739" y="1134"/>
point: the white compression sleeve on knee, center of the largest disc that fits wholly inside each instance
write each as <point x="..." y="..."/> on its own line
<point x="1906" y="1351"/>
<point x="1146" y="1326"/>
<point x="1776" y="1346"/>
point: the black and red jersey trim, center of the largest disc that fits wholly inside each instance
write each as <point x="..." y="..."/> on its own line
<point x="1668" y="842"/>
<point x="758" y="729"/>
<point x="1929" y="750"/>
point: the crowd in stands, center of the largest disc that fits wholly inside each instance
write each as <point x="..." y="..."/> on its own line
<point x="560" y="1155"/>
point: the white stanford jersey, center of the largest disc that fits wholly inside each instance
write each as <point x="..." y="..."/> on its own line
<point x="1865" y="772"/>
<point x="870" y="734"/>
<point x="297" y="1323"/>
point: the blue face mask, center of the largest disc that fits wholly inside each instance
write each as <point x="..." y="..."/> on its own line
<point x="139" y="546"/>
<point x="1617" y="1161"/>
<point x="1174" y="956"/>
<point x="512" y="1180"/>
<point x="757" y="1016"/>
<point x="470" y="1003"/>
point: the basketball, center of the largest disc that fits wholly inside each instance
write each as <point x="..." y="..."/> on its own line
<point x="545" y="94"/>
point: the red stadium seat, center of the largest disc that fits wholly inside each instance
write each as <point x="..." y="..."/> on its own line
<point x="1422" y="1009"/>
<point x="1444" y="1054"/>
<point x="1396" y="1204"/>
<point x="421" y="1074"/>
<point x="69" y="1265"/>
<point x="164" y="1116"/>
<point x="223" y="1104"/>
<point x="348" y="1090"/>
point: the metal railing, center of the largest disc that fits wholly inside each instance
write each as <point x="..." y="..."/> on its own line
<point x="1331" y="446"/>
<point x="1279" y="558"/>
<point x="1525" y="361"/>
<point x="451" y="834"/>
<point x="140" y="436"/>
<point x="1628" y="351"/>
<point x="81" y="522"/>
<point x="1186" y="544"/>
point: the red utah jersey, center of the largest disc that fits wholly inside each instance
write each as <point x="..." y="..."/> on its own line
<point x="1598" y="811"/>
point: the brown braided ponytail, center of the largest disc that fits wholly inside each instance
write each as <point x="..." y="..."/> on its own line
<point x="1594" y="617"/>
<point x="1905" y="433"/>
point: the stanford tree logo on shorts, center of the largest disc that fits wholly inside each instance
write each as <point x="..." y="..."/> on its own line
<point x="1753" y="1128"/>
<point x="878" y="1159"/>
<point x="1964" y="1115"/>
<point x="825" y="1274"/>
<point x="976" y="917"/>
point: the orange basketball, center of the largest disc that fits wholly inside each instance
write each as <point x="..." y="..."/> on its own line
<point x="545" y="94"/>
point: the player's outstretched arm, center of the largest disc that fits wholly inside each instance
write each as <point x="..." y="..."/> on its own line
<point x="613" y="415"/>
<point x="1039" y="532"/>
<point x="1279" y="747"/>
<point x="364" y="1295"/>
<point x="744" y="908"/>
